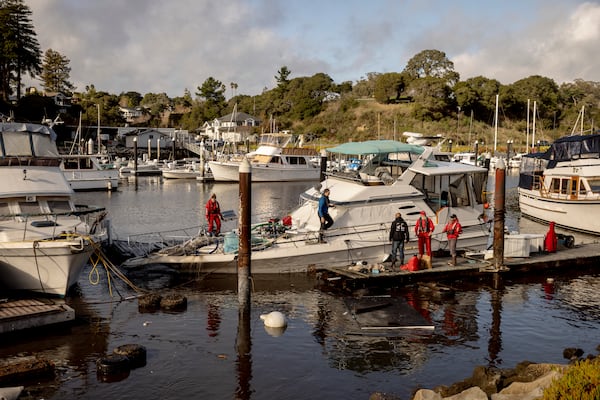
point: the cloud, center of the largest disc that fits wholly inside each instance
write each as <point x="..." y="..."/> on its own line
<point x="169" y="46"/>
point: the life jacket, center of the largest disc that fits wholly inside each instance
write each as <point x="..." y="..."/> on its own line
<point x="423" y="225"/>
<point x="212" y="207"/>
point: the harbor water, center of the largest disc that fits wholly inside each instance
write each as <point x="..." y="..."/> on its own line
<point x="203" y="351"/>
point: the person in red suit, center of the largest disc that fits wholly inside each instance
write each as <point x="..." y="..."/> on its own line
<point x="213" y="215"/>
<point x="423" y="229"/>
<point x="453" y="229"/>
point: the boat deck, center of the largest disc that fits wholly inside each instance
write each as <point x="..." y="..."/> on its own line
<point x="22" y="314"/>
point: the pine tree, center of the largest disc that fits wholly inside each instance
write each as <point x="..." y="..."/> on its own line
<point x="19" y="48"/>
<point x="56" y="72"/>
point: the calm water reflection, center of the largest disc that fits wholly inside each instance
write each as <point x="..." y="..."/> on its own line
<point x="210" y="351"/>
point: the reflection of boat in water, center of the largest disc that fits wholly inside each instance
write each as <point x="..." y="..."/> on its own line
<point x="364" y="207"/>
<point x="562" y="185"/>
<point x="275" y="160"/>
<point x="45" y="239"/>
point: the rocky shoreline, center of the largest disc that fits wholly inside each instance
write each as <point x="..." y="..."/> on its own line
<point x="526" y="381"/>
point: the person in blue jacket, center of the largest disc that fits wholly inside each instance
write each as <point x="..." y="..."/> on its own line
<point x="323" y="211"/>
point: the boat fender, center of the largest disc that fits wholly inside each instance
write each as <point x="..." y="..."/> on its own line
<point x="274" y="319"/>
<point x="551" y="240"/>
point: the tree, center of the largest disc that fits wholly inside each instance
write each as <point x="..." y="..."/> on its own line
<point x="19" y="48"/>
<point x="433" y="64"/>
<point x="55" y="73"/>
<point x="389" y="87"/>
<point x="477" y="94"/>
<point x="213" y="92"/>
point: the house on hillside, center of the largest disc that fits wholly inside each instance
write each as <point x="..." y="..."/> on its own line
<point x="234" y="127"/>
<point x="148" y="138"/>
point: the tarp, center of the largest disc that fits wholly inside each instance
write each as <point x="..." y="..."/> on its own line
<point x="375" y="147"/>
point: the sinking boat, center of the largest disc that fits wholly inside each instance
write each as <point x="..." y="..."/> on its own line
<point x="397" y="177"/>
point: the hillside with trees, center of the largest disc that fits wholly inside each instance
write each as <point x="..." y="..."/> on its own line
<point x="426" y="96"/>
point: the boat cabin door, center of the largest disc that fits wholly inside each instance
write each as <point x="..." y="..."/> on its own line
<point x="574" y="187"/>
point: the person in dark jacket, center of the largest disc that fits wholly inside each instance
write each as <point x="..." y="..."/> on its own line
<point x="398" y="235"/>
<point x="323" y="211"/>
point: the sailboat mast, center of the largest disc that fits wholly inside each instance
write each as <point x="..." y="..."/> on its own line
<point x="496" y="125"/>
<point x="533" y="132"/>
<point x="98" y="132"/>
<point x="527" y="137"/>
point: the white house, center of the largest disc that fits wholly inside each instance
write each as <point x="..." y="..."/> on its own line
<point x="234" y="127"/>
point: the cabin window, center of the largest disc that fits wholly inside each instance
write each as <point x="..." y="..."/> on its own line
<point x="59" y="206"/>
<point x="32" y="208"/>
<point x="275" y="160"/>
<point x="459" y="192"/>
<point x="564" y="186"/>
<point x="5" y="212"/>
<point x="582" y="189"/>
<point x="594" y="185"/>
<point x="301" y="160"/>
<point x="555" y="186"/>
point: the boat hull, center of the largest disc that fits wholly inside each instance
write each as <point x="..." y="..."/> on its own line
<point x="304" y="254"/>
<point x="574" y="215"/>
<point x="48" y="267"/>
<point x="229" y="172"/>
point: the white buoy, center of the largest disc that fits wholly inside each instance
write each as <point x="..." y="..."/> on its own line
<point x="274" y="319"/>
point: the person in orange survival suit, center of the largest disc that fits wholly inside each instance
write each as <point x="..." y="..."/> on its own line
<point x="213" y="215"/>
<point x="423" y="229"/>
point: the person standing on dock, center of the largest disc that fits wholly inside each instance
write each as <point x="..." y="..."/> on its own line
<point x="453" y="229"/>
<point x="323" y="211"/>
<point x="213" y="215"/>
<point x="398" y="235"/>
<point x="423" y="229"/>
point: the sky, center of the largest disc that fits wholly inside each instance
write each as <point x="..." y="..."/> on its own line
<point x="172" y="45"/>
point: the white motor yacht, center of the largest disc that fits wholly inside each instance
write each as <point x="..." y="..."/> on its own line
<point x="45" y="239"/>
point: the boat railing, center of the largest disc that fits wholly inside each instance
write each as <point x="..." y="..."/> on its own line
<point x="145" y="243"/>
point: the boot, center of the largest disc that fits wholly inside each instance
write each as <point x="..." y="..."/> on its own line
<point x="454" y="261"/>
<point x="393" y="265"/>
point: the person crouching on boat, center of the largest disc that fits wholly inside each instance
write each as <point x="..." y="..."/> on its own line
<point x="323" y="211"/>
<point x="453" y="229"/>
<point x="398" y="235"/>
<point x="213" y="215"/>
<point x="423" y="229"/>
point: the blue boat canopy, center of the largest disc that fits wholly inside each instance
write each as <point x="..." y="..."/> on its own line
<point x="375" y="147"/>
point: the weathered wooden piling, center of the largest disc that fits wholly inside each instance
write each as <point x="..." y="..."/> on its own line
<point x="476" y="153"/>
<point x="244" y="267"/>
<point x="323" y="165"/>
<point x="499" y="214"/>
<point x="135" y="156"/>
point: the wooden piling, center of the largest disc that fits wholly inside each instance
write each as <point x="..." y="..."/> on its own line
<point x="323" y="165"/>
<point x="499" y="214"/>
<point x="135" y="156"/>
<point x="244" y="267"/>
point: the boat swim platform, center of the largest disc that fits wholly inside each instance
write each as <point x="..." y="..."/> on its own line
<point x="584" y="255"/>
<point x="17" y="315"/>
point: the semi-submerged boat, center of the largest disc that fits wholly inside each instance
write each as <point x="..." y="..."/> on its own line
<point x="275" y="160"/>
<point x="396" y="177"/>
<point x="45" y="239"/>
<point x="562" y="185"/>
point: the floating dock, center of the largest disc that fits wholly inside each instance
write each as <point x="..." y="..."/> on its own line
<point x="351" y="277"/>
<point x="16" y="315"/>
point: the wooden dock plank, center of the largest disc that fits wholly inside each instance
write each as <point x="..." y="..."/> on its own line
<point x="30" y="313"/>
